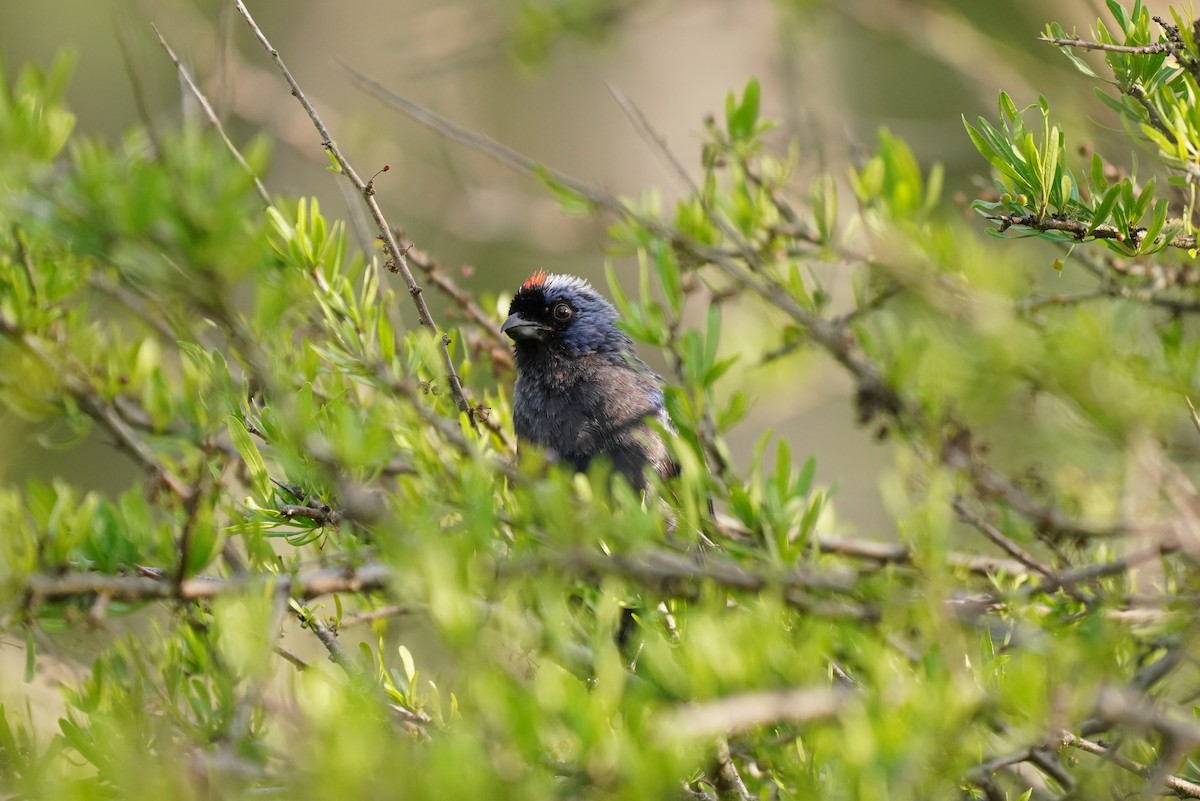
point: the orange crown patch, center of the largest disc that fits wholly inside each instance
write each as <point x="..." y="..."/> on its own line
<point x="535" y="280"/>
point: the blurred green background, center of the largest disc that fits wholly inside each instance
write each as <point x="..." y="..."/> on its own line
<point x="536" y="76"/>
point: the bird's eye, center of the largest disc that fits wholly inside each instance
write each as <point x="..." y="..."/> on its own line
<point x="562" y="312"/>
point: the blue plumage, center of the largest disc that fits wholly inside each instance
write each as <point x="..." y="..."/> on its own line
<point x="581" y="390"/>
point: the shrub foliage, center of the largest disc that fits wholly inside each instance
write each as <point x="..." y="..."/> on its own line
<point x="312" y="484"/>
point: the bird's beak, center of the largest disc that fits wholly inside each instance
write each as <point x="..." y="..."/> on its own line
<point x="518" y="328"/>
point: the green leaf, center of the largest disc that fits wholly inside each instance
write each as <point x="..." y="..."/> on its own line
<point x="255" y="465"/>
<point x="732" y="414"/>
<point x="1157" y="223"/>
<point x="1113" y="103"/>
<point x="805" y="479"/>
<point x="823" y="198"/>
<point x="990" y="153"/>
<point x="387" y="338"/>
<point x="406" y="659"/>
<point x="1055" y="31"/>
<point x="1099" y="183"/>
<point x="1102" y="212"/>
<point x="669" y="277"/>
<point x="783" y="469"/>
<point x="1006" y="108"/>
<point x="1144" y="199"/>
<point x="572" y="202"/>
<point x="740" y="118"/>
<point x="1119" y="14"/>
<point x="712" y="334"/>
<point x="717" y="370"/>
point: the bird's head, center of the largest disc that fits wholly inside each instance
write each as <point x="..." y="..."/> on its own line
<point x="563" y="314"/>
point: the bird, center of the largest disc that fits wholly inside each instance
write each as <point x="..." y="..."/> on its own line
<point x="581" y="391"/>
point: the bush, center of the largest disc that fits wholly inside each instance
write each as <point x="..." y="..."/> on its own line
<point x="313" y="472"/>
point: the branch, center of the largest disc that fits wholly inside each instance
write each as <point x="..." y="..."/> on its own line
<point x="891" y="553"/>
<point x="679" y="576"/>
<point x="896" y="553"/>
<point x="291" y="657"/>
<point x="725" y="777"/>
<point x="328" y="638"/>
<point x="666" y="566"/>
<point x="397" y="260"/>
<point x="989" y="483"/>
<point x="999" y="539"/>
<point x="213" y="119"/>
<point x="1180" y="786"/>
<point x="1081" y="230"/>
<point x="740" y="713"/>
<point x="1129" y="708"/>
<point x="1083" y="44"/>
<point x="1036" y="755"/>
<point x="153" y="584"/>
<point x="396" y="610"/>
<point x="1115" y="567"/>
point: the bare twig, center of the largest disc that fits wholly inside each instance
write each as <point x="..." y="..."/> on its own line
<point x="1083" y="44"/>
<point x="656" y="140"/>
<point x="291" y="657"/>
<point x="337" y="654"/>
<point x="191" y="510"/>
<point x="153" y="584"/>
<point x="677" y="576"/>
<point x="1125" y="706"/>
<point x="1115" y="567"/>
<point x="999" y="539"/>
<point x="896" y="553"/>
<point x="212" y="117"/>
<point x="1180" y="786"/>
<point x="1037" y="302"/>
<point x="367" y="189"/>
<point x="484" y="144"/>
<point x="1192" y="409"/>
<point x="130" y="300"/>
<point x="982" y="775"/>
<point x="123" y="36"/>
<point x="396" y="610"/>
<point x="664" y="567"/>
<point x="885" y="552"/>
